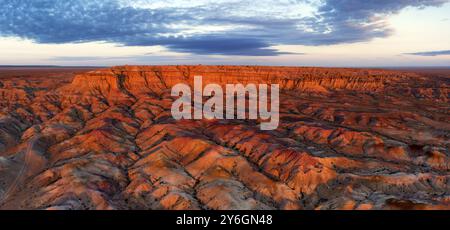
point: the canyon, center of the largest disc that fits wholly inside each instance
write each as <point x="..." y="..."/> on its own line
<point x="105" y="139"/>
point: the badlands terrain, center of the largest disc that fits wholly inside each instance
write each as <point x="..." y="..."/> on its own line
<point x="105" y="139"/>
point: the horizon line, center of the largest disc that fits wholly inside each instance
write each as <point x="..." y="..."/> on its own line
<point x="109" y="66"/>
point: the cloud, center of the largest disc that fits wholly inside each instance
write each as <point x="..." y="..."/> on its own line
<point x="224" y="46"/>
<point x="431" y="53"/>
<point x="233" y="27"/>
<point x="351" y="21"/>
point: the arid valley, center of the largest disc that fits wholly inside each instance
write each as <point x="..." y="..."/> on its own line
<point x="104" y="139"/>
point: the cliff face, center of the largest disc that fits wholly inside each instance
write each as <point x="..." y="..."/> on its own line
<point x="142" y="79"/>
<point x="348" y="139"/>
<point x="138" y="80"/>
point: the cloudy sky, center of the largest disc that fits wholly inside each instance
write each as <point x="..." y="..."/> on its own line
<point x="263" y="32"/>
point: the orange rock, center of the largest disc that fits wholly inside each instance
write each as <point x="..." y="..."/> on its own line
<point x="105" y="139"/>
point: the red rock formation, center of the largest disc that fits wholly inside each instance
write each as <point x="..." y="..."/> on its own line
<point x="348" y="139"/>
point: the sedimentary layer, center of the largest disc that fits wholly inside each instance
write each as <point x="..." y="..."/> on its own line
<point x="105" y="139"/>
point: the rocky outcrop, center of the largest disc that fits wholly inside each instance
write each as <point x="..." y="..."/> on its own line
<point x="144" y="79"/>
<point x="348" y="139"/>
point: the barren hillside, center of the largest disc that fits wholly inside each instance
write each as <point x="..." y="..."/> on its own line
<point x="105" y="139"/>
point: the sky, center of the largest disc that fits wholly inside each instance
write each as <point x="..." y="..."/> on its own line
<point x="352" y="33"/>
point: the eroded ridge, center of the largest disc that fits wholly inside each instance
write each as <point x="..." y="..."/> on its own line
<point x="348" y="139"/>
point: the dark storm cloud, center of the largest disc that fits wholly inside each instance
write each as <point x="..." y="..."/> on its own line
<point x="223" y="45"/>
<point x="75" y="21"/>
<point x="431" y="53"/>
